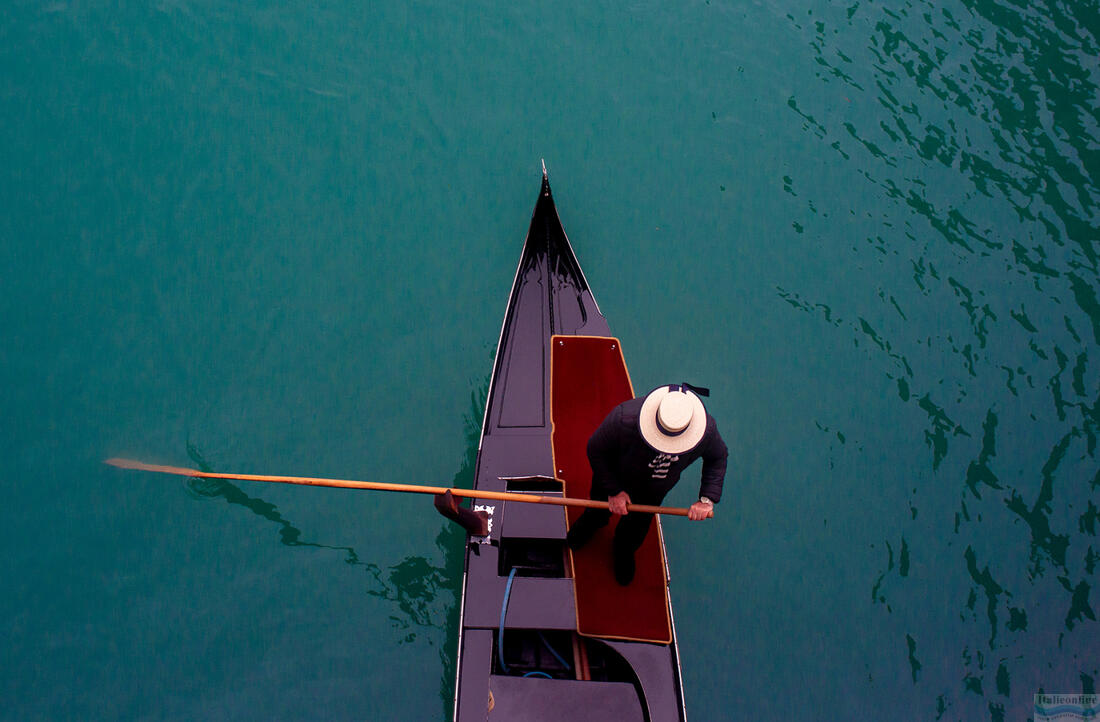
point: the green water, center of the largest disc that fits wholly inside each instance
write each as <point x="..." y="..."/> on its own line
<point x="278" y="238"/>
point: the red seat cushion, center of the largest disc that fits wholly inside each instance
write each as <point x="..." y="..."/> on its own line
<point x="588" y="379"/>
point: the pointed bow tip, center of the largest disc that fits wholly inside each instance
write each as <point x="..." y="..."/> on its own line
<point x="544" y="191"/>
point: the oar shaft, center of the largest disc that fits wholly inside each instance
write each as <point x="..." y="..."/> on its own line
<point x="385" y="486"/>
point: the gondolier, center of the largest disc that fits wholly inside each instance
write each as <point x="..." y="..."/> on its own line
<point x="637" y="455"/>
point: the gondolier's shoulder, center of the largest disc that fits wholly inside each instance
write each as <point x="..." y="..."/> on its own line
<point x="712" y="436"/>
<point x="626" y="414"/>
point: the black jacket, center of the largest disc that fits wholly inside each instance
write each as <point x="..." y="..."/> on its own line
<point x="621" y="460"/>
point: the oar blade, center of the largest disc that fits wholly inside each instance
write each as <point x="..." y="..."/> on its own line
<point x="142" y="466"/>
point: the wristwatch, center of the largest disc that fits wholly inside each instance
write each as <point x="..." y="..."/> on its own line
<point x="704" y="500"/>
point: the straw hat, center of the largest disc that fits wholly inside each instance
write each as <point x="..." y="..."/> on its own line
<point x="672" y="419"/>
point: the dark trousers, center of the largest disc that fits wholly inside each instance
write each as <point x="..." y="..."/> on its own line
<point x="632" y="528"/>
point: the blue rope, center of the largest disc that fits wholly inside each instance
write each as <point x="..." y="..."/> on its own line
<point x="554" y="652"/>
<point x="538" y="674"/>
<point x="500" y="633"/>
<point x="503" y="611"/>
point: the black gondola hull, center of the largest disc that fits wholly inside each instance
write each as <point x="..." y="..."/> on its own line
<point x="626" y="681"/>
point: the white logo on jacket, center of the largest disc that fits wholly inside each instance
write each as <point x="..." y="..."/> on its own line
<point x="661" y="463"/>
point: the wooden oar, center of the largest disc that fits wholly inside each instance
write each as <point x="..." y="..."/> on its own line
<point x="383" y="486"/>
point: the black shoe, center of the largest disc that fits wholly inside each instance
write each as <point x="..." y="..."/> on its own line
<point x="624" y="567"/>
<point x="580" y="534"/>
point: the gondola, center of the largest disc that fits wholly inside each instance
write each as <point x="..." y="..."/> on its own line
<point x="545" y="633"/>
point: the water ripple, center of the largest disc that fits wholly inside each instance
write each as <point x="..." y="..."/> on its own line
<point x="974" y="124"/>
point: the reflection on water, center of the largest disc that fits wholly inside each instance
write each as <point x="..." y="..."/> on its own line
<point x="289" y="534"/>
<point x="984" y="184"/>
<point x="424" y="595"/>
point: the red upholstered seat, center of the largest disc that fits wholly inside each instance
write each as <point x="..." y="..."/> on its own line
<point x="588" y="379"/>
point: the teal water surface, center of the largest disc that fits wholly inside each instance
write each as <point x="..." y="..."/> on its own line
<point x="278" y="238"/>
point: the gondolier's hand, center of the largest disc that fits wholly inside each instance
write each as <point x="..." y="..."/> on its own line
<point x="617" y="504"/>
<point x="699" y="511"/>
